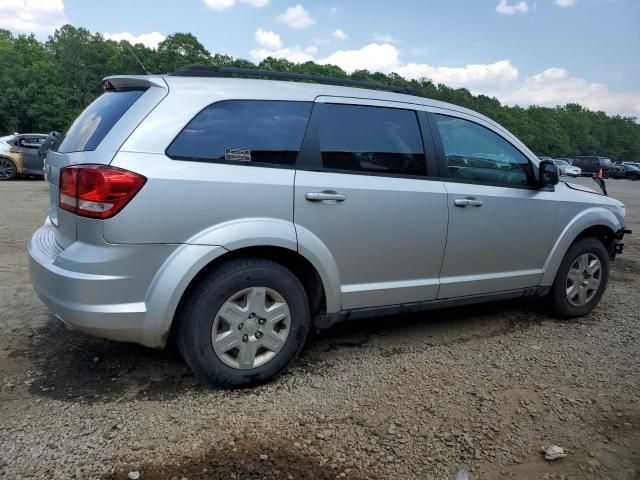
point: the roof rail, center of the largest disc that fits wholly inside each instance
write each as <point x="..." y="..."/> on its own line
<point x="214" y="71"/>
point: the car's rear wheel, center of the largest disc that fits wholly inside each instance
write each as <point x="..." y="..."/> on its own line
<point x="581" y="279"/>
<point x="243" y="323"/>
<point x="8" y="170"/>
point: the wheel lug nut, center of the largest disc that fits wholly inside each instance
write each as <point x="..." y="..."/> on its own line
<point x="258" y="334"/>
<point x="251" y="315"/>
<point x="241" y="326"/>
<point x="245" y="338"/>
<point x="262" y="321"/>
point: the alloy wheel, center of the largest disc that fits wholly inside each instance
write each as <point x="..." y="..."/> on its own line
<point x="7" y="169"/>
<point x="583" y="280"/>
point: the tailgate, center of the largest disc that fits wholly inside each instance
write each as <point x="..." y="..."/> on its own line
<point x="96" y="135"/>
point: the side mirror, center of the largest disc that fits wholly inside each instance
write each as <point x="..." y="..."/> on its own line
<point x="548" y="173"/>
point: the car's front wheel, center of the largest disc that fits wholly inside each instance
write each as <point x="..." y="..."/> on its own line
<point x="8" y="170"/>
<point x="581" y="279"/>
<point x="244" y="323"/>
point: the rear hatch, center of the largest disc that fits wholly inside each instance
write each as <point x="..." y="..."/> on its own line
<point x="95" y="137"/>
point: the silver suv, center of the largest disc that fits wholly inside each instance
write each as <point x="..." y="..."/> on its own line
<point x="237" y="214"/>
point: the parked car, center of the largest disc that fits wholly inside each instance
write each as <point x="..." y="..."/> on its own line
<point x="567" y="169"/>
<point x="625" y="170"/>
<point x="593" y="165"/>
<point x="239" y="213"/>
<point x="19" y="155"/>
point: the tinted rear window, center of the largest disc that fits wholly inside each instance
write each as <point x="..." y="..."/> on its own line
<point x="90" y="128"/>
<point x="370" y="139"/>
<point x="244" y="131"/>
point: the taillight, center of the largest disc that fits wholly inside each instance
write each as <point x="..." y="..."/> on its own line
<point x="97" y="191"/>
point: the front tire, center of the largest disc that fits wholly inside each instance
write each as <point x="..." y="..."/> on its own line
<point x="243" y="323"/>
<point x="581" y="279"/>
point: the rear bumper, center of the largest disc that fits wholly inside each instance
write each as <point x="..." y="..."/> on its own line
<point x="98" y="289"/>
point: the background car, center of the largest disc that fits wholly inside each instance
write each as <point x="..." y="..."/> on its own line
<point x="592" y="165"/>
<point x="566" y="168"/>
<point x="625" y="170"/>
<point x="19" y="155"/>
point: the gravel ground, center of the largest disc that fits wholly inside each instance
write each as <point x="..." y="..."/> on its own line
<point x="411" y="397"/>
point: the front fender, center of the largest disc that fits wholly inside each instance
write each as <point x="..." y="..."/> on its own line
<point x="591" y="217"/>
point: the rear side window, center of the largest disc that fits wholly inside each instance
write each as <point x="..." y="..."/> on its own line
<point x="244" y="131"/>
<point x="90" y="128"/>
<point x="370" y="139"/>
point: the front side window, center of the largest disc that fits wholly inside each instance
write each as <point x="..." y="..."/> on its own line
<point x="245" y="131"/>
<point x="475" y="153"/>
<point x="370" y="139"/>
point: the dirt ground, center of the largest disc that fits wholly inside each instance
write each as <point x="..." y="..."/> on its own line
<point x="407" y="397"/>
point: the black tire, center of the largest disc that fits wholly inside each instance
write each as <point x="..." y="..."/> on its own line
<point x="198" y="312"/>
<point x="8" y="170"/>
<point x="560" y="304"/>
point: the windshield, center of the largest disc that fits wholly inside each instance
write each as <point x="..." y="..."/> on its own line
<point x="561" y="162"/>
<point x="605" y="161"/>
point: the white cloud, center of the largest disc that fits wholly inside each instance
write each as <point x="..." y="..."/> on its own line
<point x="224" y="4"/>
<point x="268" y="39"/>
<point x="296" y="17"/>
<point x="472" y="76"/>
<point x="555" y="86"/>
<point x="333" y="10"/>
<point x="339" y="34"/>
<point x="384" y="38"/>
<point x="374" y="57"/>
<point x="565" y="3"/>
<point x="40" y="17"/>
<point x="293" y="54"/>
<point x="150" y="40"/>
<point x="518" y="6"/>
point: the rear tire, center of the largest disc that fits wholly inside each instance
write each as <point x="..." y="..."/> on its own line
<point x="244" y="323"/>
<point x="581" y="279"/>
<point x="8" y="170"/>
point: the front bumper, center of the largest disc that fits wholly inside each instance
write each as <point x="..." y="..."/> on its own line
<point x="98" y="289"/>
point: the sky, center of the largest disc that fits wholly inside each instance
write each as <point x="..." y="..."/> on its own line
<point x="524" y="52"/>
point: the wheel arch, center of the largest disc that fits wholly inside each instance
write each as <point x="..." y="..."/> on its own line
<point x="190" y="263"/>
<point x="301" y="267"/>
<point x="595" y="222"/>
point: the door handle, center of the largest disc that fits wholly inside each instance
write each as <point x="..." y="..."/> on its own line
<point x="467" y="202"/>
<point x="326" y="195"/>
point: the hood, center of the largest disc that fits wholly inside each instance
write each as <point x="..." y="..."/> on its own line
<point x="582" y="188"/>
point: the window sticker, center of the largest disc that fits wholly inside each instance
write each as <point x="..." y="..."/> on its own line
<point x="237" y="154"/>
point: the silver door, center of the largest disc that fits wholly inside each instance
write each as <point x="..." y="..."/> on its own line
<point x="385" y="233"/>
<point x="500" y="227"/>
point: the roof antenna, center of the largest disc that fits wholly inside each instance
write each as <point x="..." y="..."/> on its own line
<point x="137" y="59"/>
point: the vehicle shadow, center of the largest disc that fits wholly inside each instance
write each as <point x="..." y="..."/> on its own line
<point x="74" y="367"/>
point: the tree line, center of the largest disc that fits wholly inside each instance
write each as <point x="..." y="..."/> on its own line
<point x="45" y="85"/>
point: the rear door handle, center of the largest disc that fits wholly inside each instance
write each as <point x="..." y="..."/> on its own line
<point x="326" y="195"/>
<point x="467" y="202"/>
